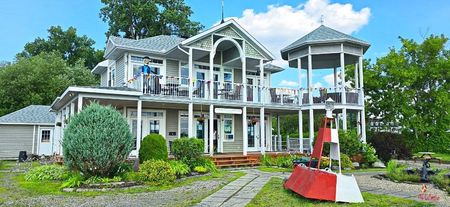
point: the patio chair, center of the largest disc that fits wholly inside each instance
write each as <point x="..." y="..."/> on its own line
<point x="274" y="97"/>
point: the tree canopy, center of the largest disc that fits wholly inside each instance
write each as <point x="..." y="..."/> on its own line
<point x="67" y="44"/>
<point x="410" y="86"/>
<point x="39" y="80"/>
<point x="137" y="19"/>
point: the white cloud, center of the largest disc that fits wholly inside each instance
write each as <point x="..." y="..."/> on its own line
<point x="281" y="25"/>
<point x="286" y="83"/>
<point x="329" y="79"/>
<point x="318" y="85"/>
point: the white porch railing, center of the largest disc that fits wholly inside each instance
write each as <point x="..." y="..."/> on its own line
<point x="227" y="91"/>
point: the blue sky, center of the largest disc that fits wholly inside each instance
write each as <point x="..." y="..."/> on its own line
<point x="378" y="22"/>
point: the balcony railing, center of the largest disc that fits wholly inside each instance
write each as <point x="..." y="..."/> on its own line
<point x="320" y="95"/>
<point x="167" y="86"/>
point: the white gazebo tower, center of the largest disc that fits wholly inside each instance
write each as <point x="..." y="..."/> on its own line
<point x="326" y="48"/>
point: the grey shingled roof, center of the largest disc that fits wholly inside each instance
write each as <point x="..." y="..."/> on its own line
<point x="32" y="114"/>
<point x="160" y="43"/>
<point x="322" y="34"/>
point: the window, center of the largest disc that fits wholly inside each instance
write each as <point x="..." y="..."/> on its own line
<point x="228" y="75"/>
<point x="228" y="127"/>
<point x="184" y="74"/>
<point x="184" y="129"/>
<point x="45" y="136"/>
<point x="154" y="126"/>
<point x="141" y="60"/>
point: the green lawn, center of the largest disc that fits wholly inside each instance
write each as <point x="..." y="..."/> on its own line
<point x="19" y="188"/>
<point x="273" y="194"/>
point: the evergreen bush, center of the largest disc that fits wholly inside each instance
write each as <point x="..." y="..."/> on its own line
<point x="157" y="172"/>
<point x="97" y="141"/>
<point x="188" y="150"/>
<point x="153" y="147"/>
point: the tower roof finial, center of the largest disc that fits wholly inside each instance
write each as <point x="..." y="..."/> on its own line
<point x="321" y="20"/>
<point x="222" y="14"/>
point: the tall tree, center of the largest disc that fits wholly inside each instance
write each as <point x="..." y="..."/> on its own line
<point x="138" y="19"/>
<point x="68" y="44"/>
<point x="39" y="80"/>
<point x="410" y="86"/>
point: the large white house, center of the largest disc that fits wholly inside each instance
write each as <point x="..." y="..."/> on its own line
<point x="216" y="86"/>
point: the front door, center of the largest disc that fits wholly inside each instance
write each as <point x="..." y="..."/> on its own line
<point x="253" y="89"/>
<point x="45" y="141"/>
<point x="152" y="122"/>
<point x="253" y="136"/>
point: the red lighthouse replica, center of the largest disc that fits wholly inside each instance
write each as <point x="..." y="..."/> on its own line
<point x="315" y="183"/>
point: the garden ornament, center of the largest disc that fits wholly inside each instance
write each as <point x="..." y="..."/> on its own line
<point x="323" y="184"/>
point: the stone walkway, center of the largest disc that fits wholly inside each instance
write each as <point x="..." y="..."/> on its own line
<point x="241" y="191"/>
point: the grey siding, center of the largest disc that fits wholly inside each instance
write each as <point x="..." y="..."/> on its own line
<point x="15" y="138"/>
<point x="120" y="72"/>
<point x="104" y="79"/>
<point x="237" y="75"/>
<point x="171" y="125"/>
<point x="236" y="145"/>
<point x="172" y="68"/>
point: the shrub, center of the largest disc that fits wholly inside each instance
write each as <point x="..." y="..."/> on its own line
<point x="96" y="141"/>
<point x="206" y="163"/>
<point x="153" y="147"/>
<point x="368" y="153"/>
<point x="95" y="179"/>
<point x="179" y="167"/>
<point x="74" y="181"/>
<point x="349" y="142"/>
<point x="396" y="172"/>
<point x="131" y="176"/>
<point x="157" y="172"/>
<point x="200" y="169"/>
<point x="46" y="173"/>
<point x="267" y="160"/>
<point x="188" y="150"/>
<point x="284" y="161"/>
<point x="389" y="144"/>
<point x="346" y="162"/>
<point x="441" y="180"/>
<point x="324" y="162"/>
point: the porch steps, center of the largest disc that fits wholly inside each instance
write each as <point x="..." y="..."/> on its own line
<point x="224" y="161"/>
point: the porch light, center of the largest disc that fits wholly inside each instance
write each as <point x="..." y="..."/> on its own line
<point x="201" y="118"/>
<point x="329" y="107"/>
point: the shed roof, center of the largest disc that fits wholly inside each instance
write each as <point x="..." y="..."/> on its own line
<point x="323" y="34"/>
<point x="32" y="114"/>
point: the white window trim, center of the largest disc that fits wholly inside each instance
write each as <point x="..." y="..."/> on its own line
<point x="194" y="121"/>
<point x="50" y="135"/>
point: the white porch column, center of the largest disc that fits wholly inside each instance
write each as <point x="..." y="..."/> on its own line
<point x="311" y="130"/>
<point x="300" y="130"/>
<point x="343" y="95"/>
<point x="263" y="130"/>
<point x="261" y="77"/>
<point x="358" y="123"/>
<point x="300" y="93"/>
<point x="191" y="72"/>
<point x="191" y="120"/>
<point x="244" y="78"/>
<point x="211" y="74"/>
<point x="310" y="89"/>
<point x="278" y="145"/>
<point x="211" y="130"/>
<point x="72" y="109"/>
<point x="344" y="119"/>
<point x="361" y="85"/>
<point x="244" y="130"/>
<point x="356" y="76"/>
<point x="335" y="78"/>
<point x="80" y="103"/>
<point x="139" y="126"/>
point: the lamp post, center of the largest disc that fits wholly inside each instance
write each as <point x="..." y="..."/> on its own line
<point x="329" y="107"/>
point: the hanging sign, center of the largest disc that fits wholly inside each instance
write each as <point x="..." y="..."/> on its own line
<point x="227" y="111"/>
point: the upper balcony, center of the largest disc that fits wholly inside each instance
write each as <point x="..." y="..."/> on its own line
<point x="182" y="88"/>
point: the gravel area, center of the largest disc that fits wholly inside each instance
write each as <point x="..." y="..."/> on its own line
<point x="368" y="183"/>
<point x="179" y="196"/>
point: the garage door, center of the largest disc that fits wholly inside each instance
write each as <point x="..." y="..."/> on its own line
<point x="15" y="138"/>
